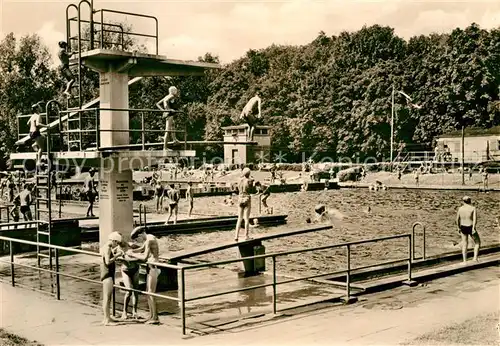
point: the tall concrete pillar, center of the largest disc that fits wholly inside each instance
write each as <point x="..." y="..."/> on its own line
<point x="115" y="178"/>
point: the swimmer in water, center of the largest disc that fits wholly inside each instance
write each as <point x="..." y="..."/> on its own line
<point x="327" y="215"/>
<point x="466" y="223"/>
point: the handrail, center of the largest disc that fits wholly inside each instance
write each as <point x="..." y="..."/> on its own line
<point x="413" y="238"/>
<point x="102" y="11"/>
<point x="293" y="252"/>
<point x="181" y="298"/>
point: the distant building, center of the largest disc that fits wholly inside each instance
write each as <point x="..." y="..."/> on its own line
<point x="480" y="145"/>
<point x="246" y="152"/>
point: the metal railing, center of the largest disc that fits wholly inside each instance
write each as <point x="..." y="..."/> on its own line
<point x="92" y="132"/>
<point x="413" y="239"/>
<point x="348" y="271"/>
<point x="181" y="270"/>
<point x="56" y="270"/>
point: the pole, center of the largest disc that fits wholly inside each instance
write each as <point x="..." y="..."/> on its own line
<point x="392" y="121"/>
<point x="275" y="310"/>
<point x="463" y="154"/>
<point x="183" y="301"/>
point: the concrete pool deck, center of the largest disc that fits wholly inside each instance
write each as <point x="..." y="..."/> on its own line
<point x="400" y="315"/>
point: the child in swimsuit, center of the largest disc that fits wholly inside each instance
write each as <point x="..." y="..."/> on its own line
<point x="109" y="254"/>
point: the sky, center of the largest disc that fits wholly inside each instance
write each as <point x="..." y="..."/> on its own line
<point x="188" y="29"/>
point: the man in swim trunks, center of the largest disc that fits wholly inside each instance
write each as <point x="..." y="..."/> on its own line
<point x="263" y="191"/>
<point x="148" y="252"/>
<point x="109" y="254"/>
<point x="190" y="198"/>
<point x="173" y="203"/>
<point x="466" y="222"/>
<point x="244" y="203"/>
<point x="35" y="135"/>
<point x="25" y="202"/>
<point x="159" y="191"/>
<point x="64" y="56"/>
<point x="251" y="113"/>
<point x="169" y="105"/>
<point x="129" y="267"/>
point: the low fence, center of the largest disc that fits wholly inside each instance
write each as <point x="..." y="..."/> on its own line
<point x="181" y="270"/>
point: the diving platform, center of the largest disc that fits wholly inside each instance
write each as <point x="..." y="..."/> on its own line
<point x="93" y="158"/>
<point x="90" y="232"/>
<point x="142" y="64"/>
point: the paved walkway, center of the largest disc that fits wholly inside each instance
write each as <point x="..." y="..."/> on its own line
<point x="388" y="318"/>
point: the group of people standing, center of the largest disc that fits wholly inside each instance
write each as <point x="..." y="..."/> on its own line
<point x="143" y="249"/>
<point x="172" y="196"/>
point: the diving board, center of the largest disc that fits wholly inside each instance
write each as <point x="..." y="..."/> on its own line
<point x="64" y="118"/>
<point x="183" y="254"/>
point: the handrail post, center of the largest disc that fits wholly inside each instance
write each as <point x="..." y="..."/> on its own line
<point x="97" y="134"/>
<point x="11" y="252"/>
<point x="409" y="257"/>
<point x="140" y="214"/>
<point x="102" y="30"/>
<point x="275" y="310"/>
<point x="142" y="132"/>
<point x="58" y="283"/>
<point x="145" y="222"/>
<point x="348" y="274"/>
<point x="413" y="241"/>
<point x="183" y="301"/>
<point x="423" y="245"/>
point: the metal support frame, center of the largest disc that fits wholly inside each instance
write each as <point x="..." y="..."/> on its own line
<point x="414" y="242"/>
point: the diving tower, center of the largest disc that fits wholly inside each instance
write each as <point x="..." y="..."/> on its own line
<point x="110" y="130"/>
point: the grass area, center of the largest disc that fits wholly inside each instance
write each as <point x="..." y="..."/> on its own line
<point x="8" y="339"/>
<point x="480" y="330"/>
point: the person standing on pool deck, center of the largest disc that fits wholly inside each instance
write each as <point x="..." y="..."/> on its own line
<point x="148" y="250"/>
<point x="466" y="222"/>
<point x="173" y="203"/>
<point x="35" y="128"/>
<point x="250" y="113"/>
<point x="168" y="105"/>
<point x="90" y="192"/>
<point x="109" y="254"/>
<point x="484" y="174"/>
<point x="190" y="197"/>
<point x="159" y="191"/>
<point x="244" y="203"/>
<point x="130" y="277"/>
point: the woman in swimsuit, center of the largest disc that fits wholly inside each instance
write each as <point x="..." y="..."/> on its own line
<point x="108" y="267"/>
<point x="244" y="203"/>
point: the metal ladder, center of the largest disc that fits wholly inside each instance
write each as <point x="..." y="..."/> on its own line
<point x="43" y="199"/>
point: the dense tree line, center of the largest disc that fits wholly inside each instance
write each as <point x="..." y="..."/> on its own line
<point x="331" y="96"/>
